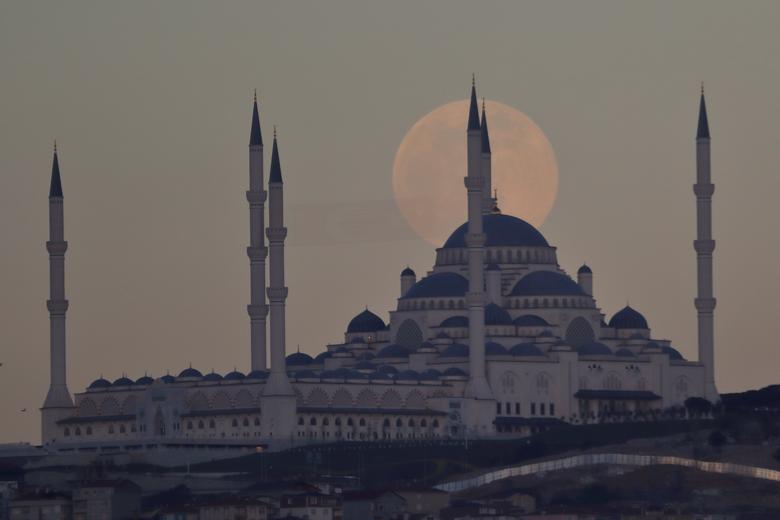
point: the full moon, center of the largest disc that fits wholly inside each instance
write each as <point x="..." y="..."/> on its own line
<point x="430" y="165"/>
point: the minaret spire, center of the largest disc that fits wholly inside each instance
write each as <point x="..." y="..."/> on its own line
<point x="477" y="387"/>
<point x="257" y="252"/>
<point x="488" y="203"/>
<point x="278" y="384"/>
<point x="58" y="403"/>
<point x="704" y="246"/>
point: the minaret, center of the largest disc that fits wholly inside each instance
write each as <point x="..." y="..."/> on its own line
<point x="488" y="202"/>
<point x="278" y="383"/>
<point x="477" y="387"/>
<point x="704" y="246"/>
<point x="256" y="251"/>
<point x="58" y="403"/>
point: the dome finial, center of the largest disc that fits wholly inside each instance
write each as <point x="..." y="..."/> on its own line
<point x="55" y="146"/>
<point x="274" y="131"/>
<point x="473" y="80"/>
<point x="255" y="96"/>
<point x="702" y="88"/>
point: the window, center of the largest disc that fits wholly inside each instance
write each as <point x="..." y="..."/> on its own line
<point x="398" y="422"/>
<point x="362" y="422"/>
<point x="246" y="422"/>
<point x="541" y="408"/>
<point x="517" y="408"/>
<point x="122" y="428"/>
<point x="235" y="423"/>
<point x="552" y="408"/>
<point x="89" y="430"/>
<point x="212" y="424"/>
<point x="498" y="408"/>
<point x="350" y="422"/>
<point x="300" y="421"/>
<point x="67" y="432"/>
<point x="313" y="421"/>
<point x="110" y="428"/>
<point x="508" y="408"/>
<point x="533" y="408"/>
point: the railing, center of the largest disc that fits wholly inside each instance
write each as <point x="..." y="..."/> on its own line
<point x="621" y="459"/>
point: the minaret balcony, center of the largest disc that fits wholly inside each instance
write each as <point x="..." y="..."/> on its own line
<point x="474" y="183"/>
<point x="704" y="246"/>
<point x="704" y="190"/>
<point x="57" y="248"/>
<point x="57" y="306"/>
<point x="257" y="311"/>
<point x="276" y="234"/>
<point x="256" y="253"/>
<point x="277" y="294"/>
<point x="256" y="197"/>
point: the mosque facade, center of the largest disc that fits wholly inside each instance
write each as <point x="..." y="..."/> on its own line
<point x="495" y="340"/>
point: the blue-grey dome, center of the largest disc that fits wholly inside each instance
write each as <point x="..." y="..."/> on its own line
<point x="306" y="374"/>
<point x="213" y="376"/>
<point x="525" y="349"/>
<point x="426" y="345"/>
<point x="407" y="375"/>
<point x="454" y="372"/>
<point x="624" y="352"/>
<point x="546" y="333"/>
<point x="99" y="383"/>
<point x="364" y="365"/>
<point x="366" y="321"/>
<point x="393" y="350"/>
<point x="145" y="380"/>
<point x="594" y="348"/>
<point x="322" y="356"/>
<point x="456" y="350"/>
<point x="673" y="353"/>
<point x="408" y="272"/>
<point x="530" y="320"/>
<point x="500" y="230"/>
<point x="430" y="375"/>
<point x="190" y="372"/>
<point x="257" y="374"/>
<point x="123" y="381"/>
<point x="495" y="315"/>
<point x="298" y="359"/>
<point x="495" y="349"/>
<point x="167" y="378"/>
<point x="546" y="283"/>
<point x="455" y="321"/>
<point x="628" y="318"/>
<point x="388" y="369"/>
<point x="439" y="285"/>
<point x="379" y="376"/>
<point x="584" y="269"/>
<point x="354" y="374"/>
<point x="339" y="373"/>
<point x="235" y="375"/>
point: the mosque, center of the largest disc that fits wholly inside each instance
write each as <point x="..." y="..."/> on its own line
<point x="496" y="340"/>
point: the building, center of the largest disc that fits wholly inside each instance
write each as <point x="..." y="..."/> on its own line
<point x="370" y="504"/>
<point x="312" y="506"/>
<point x="42" y="505"/>
<point x="106" y="500"/>
<point x="495" y="340"/>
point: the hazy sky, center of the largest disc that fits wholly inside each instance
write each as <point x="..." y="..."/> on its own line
<point x="150" y="103"/>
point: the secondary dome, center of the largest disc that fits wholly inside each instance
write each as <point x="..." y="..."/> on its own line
<point x="628" y="318"/>
<point x="594" y="348"/>
<point x="544" y="283"/>
<point x="366" y="321"/>
<point x="439" y="285"/>
<point x="455" y="321"/>
<point x="495" y="315"/>
<point x="500" y="230"/>
<point x="298" y="359"/>
<point x="530" y="320"/>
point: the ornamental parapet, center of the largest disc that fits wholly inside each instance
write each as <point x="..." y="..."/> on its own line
<point x="276" y="234"/>
<point x="256" y="197"/>
<point x="277" y="294"/>
<point x="474" y="183"/>
<point x="257" y="253"/>
<point x="56" y="247"/>
<point x="257" y="311"/>
<point x="57" y="307"/>
<point x="704" y="246"/>
<point x="705" y="304"/>
<point x="704" y="190"/>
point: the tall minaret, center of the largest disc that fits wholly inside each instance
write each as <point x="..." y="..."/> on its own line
<point x="278" y="383"/>
<point x="488" y="202"/>
<point x="256" y="251"/>
<point x="58" y="403"/>
<point x="477" y="387"/>
<point x="704" y="246"/>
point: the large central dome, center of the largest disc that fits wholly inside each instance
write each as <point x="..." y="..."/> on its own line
<point x="500" y="230"/>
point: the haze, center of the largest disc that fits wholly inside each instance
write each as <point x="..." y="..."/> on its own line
<point x="150" y="104"/>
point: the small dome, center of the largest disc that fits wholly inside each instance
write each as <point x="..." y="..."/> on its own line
<point x="122" y="381"/>
<point x="624" y="352"/>
<point x="213" y="376"/>
<point x="455" y="321"/>
<point x="99" y="383"/>
<point x="167" y="378"/>
<point x="454" y="372"/>
<point x="530" y="320"/>
<point x="393" y="350"/>
<point x="439" y="285"/>
<point x="594" y="348"/>
<point x="235" y="376"/>
<point x="430" y="375"/>
<point x="584" y="269"/>
<point x="143" y="381"/>
<point x="321" y="357"/>
<point x="673" y="353"/>
<point x="495" y="349"/>
<point x="366" y="321"/>
<point x="388" y="369"/>
<point x="298" y="359"/>
<point x="364" y="365"/>
<point x="407" y="375"/>
<point x="500" y="230"/>
<point x="340" y="373"/>
<point x="408" y="272"/>
<point x="190" y="373"/>
<point x="525" y="349"/>
<point x="628" y="318"/>
<point x="546" y="283"/>
<point x="257" y="374"/>
<point x="495" y="315"/>
<point x="306" y="374"/>
<point x="354" y="374"/>
<point x="456" y="350"/>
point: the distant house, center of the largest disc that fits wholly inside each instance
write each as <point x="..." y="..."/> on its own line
<point x="106" y="500"/>
<point x="232" y="508"/>
<point x="373" y="505"/>
<point x="312" y="506"/>
<point x="424" y="501"/>
<point x="182" y="512"/>
<point x="41" y="506"/>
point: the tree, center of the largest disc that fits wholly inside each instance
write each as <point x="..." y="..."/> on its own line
<point x="698" y="406"/>
<point x="716" y="439"/>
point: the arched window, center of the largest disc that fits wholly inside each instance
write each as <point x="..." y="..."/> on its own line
<point x="411" y="423"/>
<point x="110" y="428"/>
<point x="122" y="428"/>
<point x="325" y="422"/>
<point x="424" y="423"/>
<point x="257" y="421"/>
<point x="409" y="334"/>
<point x="313" y="421"/>
<point x="300" y="421"/>
<point x="542" y="384"/>
<point x="435" y="423"/>
<point x="385" y="423"/>
<point x="362" y="422"/>
<point x="350" y="422"/>
<point x="508" y="383"/>
<point x="78" y="430"/>
<point x="337" y="422"/>
<point x="189" y="425"/>
<point x="89" y="430"/>
<point x="399" y="423"/>
<point x="246" y="421"/>
<point x="67" y="432"/>
<point x="235" y="423"/>
<point x="212" y="424"/>
<point x="579" y="332"/>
